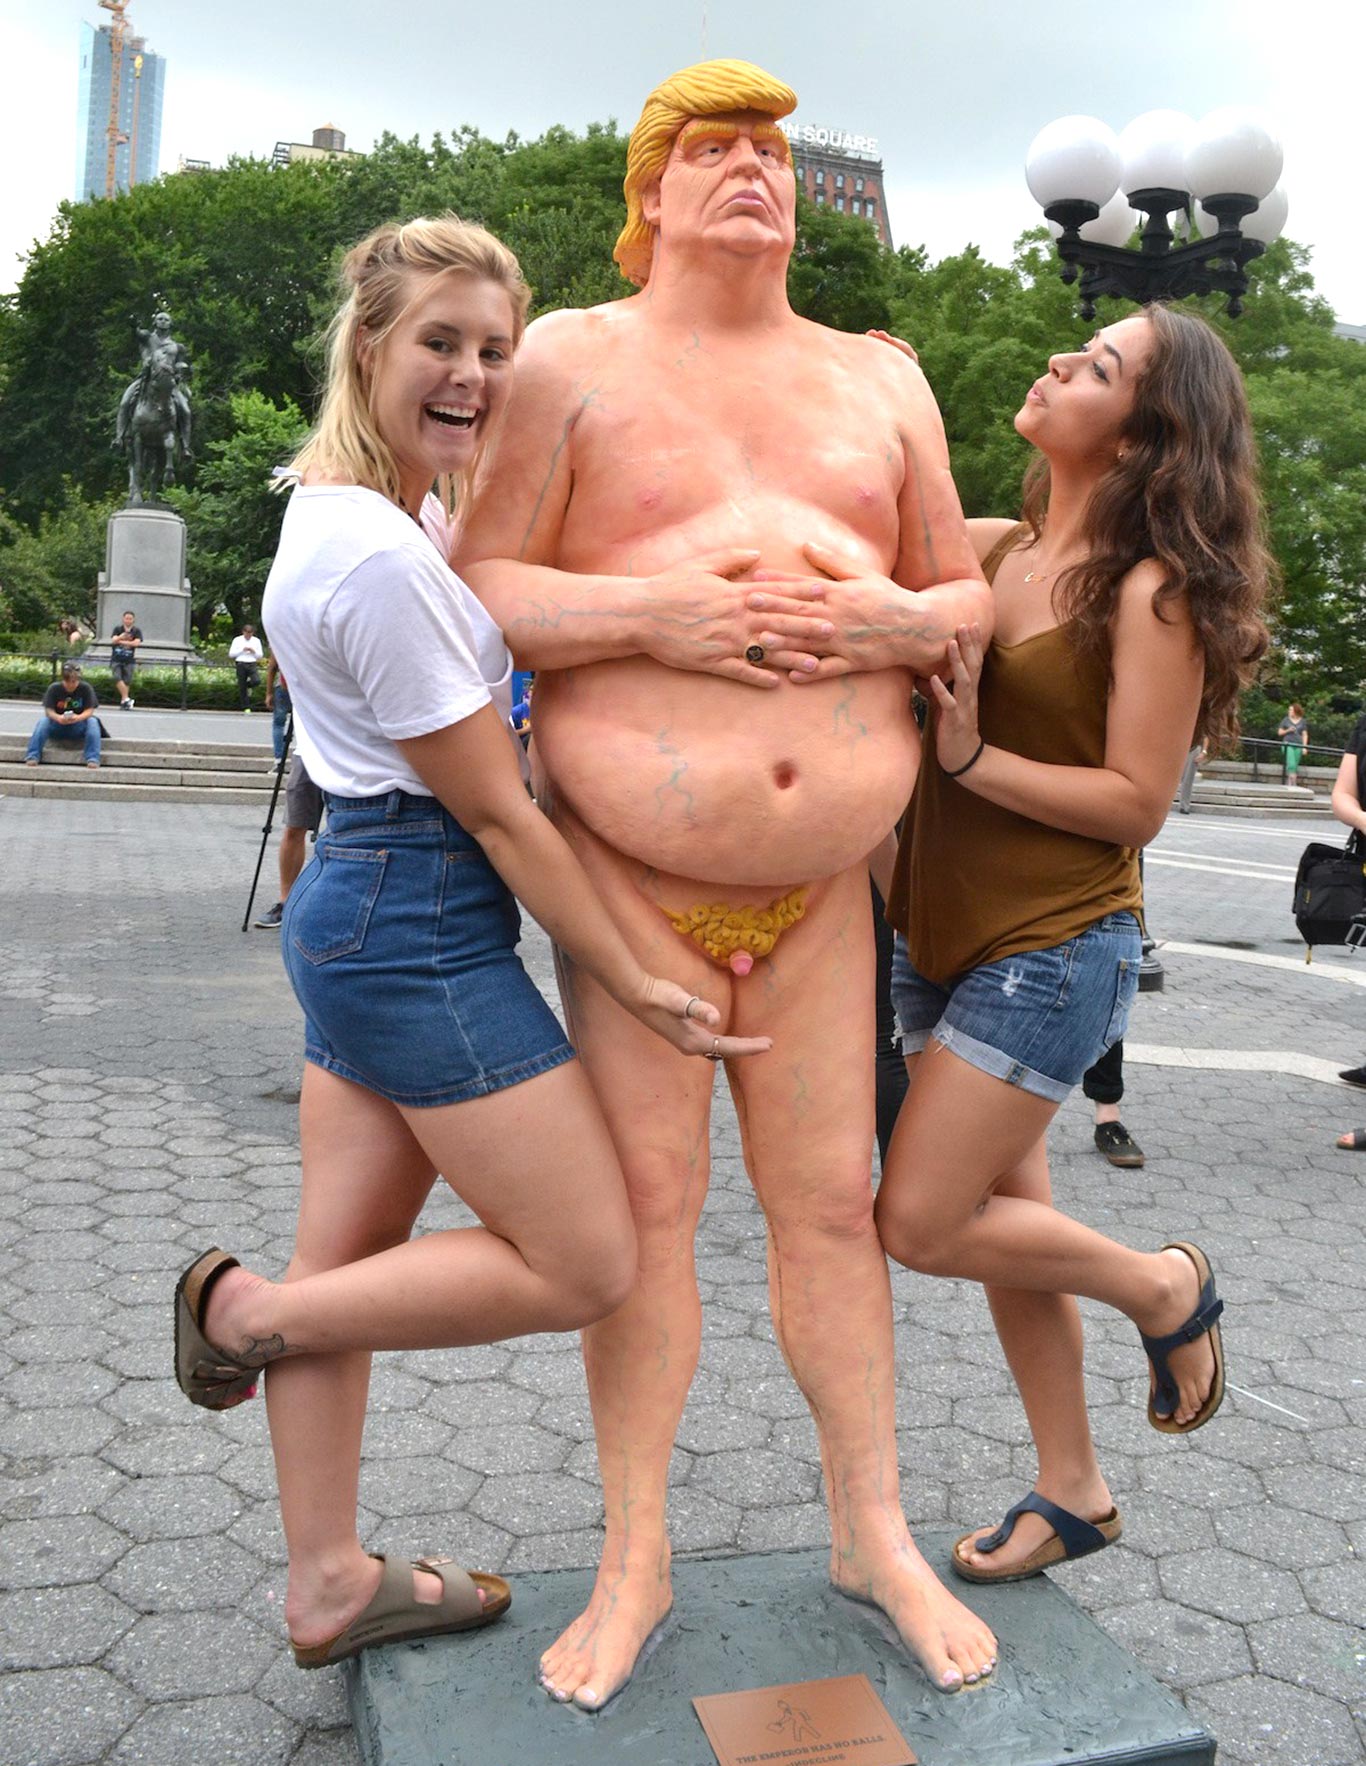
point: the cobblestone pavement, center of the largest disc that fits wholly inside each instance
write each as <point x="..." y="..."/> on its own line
<point x="148" y="1056"/>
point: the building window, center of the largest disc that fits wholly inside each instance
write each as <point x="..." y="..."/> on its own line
<point x="839" y="180"/>
<point x="839" y="204"/>
<point x="869" y="208"/>
<point x="820" y="199"/>
<point x="858" y="185"/>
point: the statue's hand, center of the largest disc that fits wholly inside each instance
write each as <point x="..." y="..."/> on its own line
<point x="697" y="617"/>
<point x="876" y="622"/>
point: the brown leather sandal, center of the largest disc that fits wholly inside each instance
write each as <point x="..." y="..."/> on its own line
<point x="204" y="1374"/>
<point x="395" y="1615"/>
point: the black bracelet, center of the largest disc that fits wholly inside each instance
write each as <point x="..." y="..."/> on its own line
<point x="967" y="765"/>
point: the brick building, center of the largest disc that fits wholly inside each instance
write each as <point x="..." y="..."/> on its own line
<point x="841" y="171"/>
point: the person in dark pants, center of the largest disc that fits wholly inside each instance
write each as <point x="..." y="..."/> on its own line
<point x="1104" y="1085"/>
<point x="889" y="1066"/>
<point x="69" y="708"/>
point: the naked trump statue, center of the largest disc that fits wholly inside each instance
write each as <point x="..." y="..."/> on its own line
<point x="726" y="539"/>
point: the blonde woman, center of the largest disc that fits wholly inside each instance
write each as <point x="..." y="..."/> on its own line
<point x="427" y="1048"/>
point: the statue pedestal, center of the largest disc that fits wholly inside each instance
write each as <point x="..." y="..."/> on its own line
<point x="1064" y="1695"/>
<point x="145" y="571"/>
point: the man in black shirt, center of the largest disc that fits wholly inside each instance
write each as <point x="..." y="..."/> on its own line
<point x="123" y="658"/>
<point x="69" y="708"/>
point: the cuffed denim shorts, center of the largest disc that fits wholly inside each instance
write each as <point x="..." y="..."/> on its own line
<point x="400" y="940"/>
<point x="1037" y="1020"/>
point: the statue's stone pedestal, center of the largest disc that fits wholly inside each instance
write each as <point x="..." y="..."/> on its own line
<point x="144" y="568"/>
<point x="1065" y="1694"/>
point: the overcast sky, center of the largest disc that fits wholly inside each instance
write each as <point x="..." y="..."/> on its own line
<point x="954" y="91"/>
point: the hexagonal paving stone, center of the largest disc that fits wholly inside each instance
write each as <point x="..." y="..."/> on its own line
<point x="515" y="1447"/>
<point x="1230" y="1585"/>
<point x="1180" y="1647"/>
<point x="184" y="1575"/>
<point x="1288" y="1538"/>
<point x="538" y="1502"/>
<point x="94" y="1711"/>
<point x="45" y="1486"/>
<point x="236" y="1731"/>
<point x="1319" y="1490"/>
<point x="412" y="1486"/>
<point x="185" y="1655"/>
<point x="754" y="1475"/>
<point x="1337" y="1591"/>
<point x="59" y="1627"/>
<point x="789" y="1528"/>
<point x="1320" y="1654"/>
<point x="60" y="1550"/>
<point x="1263" y="1722"/>
<point x="172" y="1508"/>
<point x="147" y="1451"/>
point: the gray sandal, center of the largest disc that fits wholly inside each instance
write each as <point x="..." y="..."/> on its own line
<point x="395" y="1615"/>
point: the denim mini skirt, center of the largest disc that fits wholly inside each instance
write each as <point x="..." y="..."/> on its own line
<point x="400" y="940"/>
<point x="1037" y="1020"/>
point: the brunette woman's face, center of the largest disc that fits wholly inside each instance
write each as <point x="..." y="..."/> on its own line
<point x="1077" y="412"/>
<point x="442" y="375"/>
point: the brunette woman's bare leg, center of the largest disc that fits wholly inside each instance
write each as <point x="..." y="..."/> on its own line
<point x="937" y="1213"/>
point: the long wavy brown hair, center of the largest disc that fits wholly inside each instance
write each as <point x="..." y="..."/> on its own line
<point x="1184" y="491"/>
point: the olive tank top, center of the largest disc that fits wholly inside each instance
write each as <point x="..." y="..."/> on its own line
<point x="975" y="882"/>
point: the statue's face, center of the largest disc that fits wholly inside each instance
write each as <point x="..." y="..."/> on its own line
<point x="728" y="184"/>
<point x="162" y="323"/>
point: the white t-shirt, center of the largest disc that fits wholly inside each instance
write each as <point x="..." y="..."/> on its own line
<point x="377" y="636"/>
<point x="245" y="650"/>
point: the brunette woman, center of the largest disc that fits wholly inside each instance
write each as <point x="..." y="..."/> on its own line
<point x="1128" y="616"/>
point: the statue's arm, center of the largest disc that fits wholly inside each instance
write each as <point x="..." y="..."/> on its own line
<point x="936" y="558"/>
<point x="510" y="541"/>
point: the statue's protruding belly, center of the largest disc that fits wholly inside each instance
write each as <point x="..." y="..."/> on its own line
<point x="703" y="778"/>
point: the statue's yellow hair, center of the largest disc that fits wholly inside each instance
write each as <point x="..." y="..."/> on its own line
<point x="699" y="91"/>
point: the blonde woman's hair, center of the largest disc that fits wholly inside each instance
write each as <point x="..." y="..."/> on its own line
<point x="377" y="279"/>
<point x="699" y="91"/>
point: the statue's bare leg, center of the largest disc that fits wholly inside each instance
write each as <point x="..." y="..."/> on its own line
<point x="640" y="1361"/>
<point x="806" y="1113"/>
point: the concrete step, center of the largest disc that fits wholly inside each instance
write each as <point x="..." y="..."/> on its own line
<point x="95" y="788"/>
<point x="213" y="757"/>
<point x="154" y="778"/>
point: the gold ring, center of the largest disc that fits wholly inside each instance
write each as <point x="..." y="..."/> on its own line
<point x="715" y="1052"/>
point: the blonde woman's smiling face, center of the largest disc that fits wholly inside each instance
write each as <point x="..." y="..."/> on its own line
<point x="441" y="377"/>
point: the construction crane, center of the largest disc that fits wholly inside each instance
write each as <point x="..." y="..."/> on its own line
<point x="118" y="35"/>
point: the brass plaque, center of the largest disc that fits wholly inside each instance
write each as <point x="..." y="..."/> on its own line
<point x="840" y="1722"/>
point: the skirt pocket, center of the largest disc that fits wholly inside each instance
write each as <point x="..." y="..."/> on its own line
<point x="334" y="916"/>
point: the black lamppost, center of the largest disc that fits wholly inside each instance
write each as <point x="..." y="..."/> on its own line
<point x="1219" y="173"/>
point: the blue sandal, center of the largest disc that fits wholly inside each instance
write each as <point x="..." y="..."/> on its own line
<point x="1072" y="1538"/>
<point x="1165" y="1396"/>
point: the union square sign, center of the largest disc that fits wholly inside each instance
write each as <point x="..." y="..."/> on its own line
<point x="812" y="135"/>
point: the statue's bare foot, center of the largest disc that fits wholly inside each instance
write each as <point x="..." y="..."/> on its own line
<point x="592" y="1660"/>
<point x="952" y="1645"/>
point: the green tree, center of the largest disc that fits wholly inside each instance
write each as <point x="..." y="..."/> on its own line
<point x="232" y="514"/>
<point x="51" y="570"/>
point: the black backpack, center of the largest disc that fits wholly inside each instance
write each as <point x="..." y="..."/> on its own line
<point x="1330" y="890"/>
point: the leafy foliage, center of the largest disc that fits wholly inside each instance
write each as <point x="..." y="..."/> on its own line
<point x="232" y="515"/>
<point x="50" y="570"/>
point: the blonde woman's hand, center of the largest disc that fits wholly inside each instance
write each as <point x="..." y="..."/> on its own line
<point x="957" y="737"/>
<point x="691" y="1024"/>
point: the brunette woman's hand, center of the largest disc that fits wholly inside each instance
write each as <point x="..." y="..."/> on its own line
<point x="897" y="343"/>
<point x="691" y="1024"/>
<point x="957" y="737"/>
